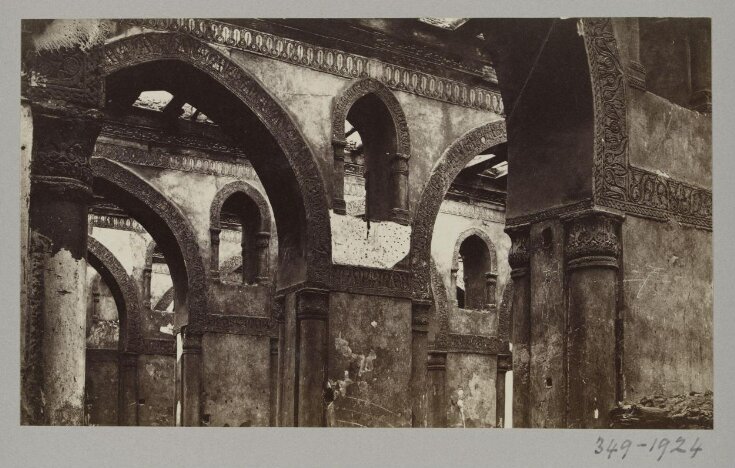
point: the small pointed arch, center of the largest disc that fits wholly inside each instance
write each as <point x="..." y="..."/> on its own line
<point x="250" y="208"/>
<point x="474" y="262"/>
<point x="124" y="292"/>
<point x="376" y="116"/>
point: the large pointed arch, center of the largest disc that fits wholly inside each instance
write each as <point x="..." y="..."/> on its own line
<point x="288" y="171"/>
<point x="445" y="171"/>
<point x="168" y="226"/>
<point x="124" y="292"/>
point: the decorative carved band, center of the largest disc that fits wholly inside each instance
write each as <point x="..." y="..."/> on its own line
<point x="159" y="347"/>
<point x="617" y="184"/>
<point x="371" y="281"/>
<point x="471" y="344"/>
<point x="122" y="223"/>
<point x="163" y="160"/>
<point x="239" y="325"/>
<point x="655" y="196"/>
<point x="312" y="304"/>
<point x="592" y="235"/>
<point x="335" y="62"/>
<point x="113" y="129"/>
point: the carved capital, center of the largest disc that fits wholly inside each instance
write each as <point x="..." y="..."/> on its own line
<point x="520" y="250"/>
<point x="420" y="316"/>
<point x="191" y="342"/>
<point x="505" y="362"/>
<point x="62" y="148"/>
<point x="312" y="304"/>
<point x="437" y="362"/>
<point x="592" y="239"/>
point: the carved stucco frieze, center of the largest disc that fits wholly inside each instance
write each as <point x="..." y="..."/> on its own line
<point x="332" y="61"/>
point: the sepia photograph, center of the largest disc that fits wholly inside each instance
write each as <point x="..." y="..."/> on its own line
<point x="305" y="225"/>
<point x="425" y="222"/>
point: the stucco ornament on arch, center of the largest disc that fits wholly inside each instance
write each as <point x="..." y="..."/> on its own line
<point x="452" y="161"/>
<point x="359" y="89"/>
<point x="149" y="47"/>
<point x="124" y="289"/>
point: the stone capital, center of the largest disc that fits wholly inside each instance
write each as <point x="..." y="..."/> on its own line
<point x="592" y="238"/>
<point x="312" y="304"/>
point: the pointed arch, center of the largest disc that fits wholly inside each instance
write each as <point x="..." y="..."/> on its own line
<point x="168" y="225"/>
<point x="124" y="292"/>
<point x="359" y="89"/>
<point x="488" y="243"/>
<point x="288" y="169"/>
<point x="452" y="161"/>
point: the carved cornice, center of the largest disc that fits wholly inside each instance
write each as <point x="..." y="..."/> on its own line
<point x="371" y="281"/>
<point x="333" y="61"/>
<point x="163" y="160"/>
<point x="122" y="223"/>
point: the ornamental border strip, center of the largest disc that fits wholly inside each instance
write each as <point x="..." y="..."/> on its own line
<point x="328" y="60"/>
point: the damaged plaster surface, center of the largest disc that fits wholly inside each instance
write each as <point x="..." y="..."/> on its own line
<point x="382" y="246"/>
<point x="367" y="380"/>
<point x="64" y="337"/>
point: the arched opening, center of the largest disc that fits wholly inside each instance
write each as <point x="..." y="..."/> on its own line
<point x="371" y="150"/>
<point x="371" y="119"/>
<point x="240" y="226"/>
<point x="475" y="275"/>
<point x="200" y="77"/>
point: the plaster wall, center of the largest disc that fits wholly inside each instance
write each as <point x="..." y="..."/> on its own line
<point x="156" y="390"/>
<point x="236" y="380"/>
<point x="369" y="361"/>
<point x="668" y="309"/>
<point x="471" y="390"/>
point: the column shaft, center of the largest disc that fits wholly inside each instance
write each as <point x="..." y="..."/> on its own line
<point x="312" y="312"/>
<point x="519" y="258"/>
<point x="437" y="390"/>
<point x="592" y="248"/>
<point x="419" y="358"/>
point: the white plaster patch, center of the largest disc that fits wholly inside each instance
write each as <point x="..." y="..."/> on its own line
<point x="168" y="329"/>
<point x="179" y="347"/>
<point x="384" y="245"/>
<point x="374" y="324"/>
